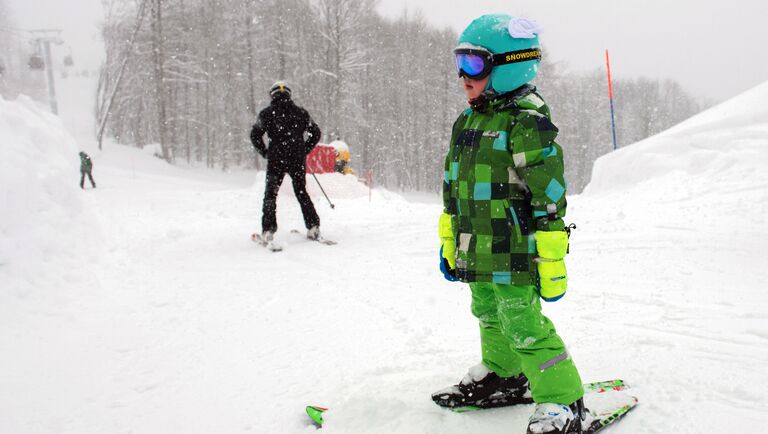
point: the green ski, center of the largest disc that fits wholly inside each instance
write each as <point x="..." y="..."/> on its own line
<point x="595" y="387"/>
<point x="605" y="408"/>
<point x="316" y="414"/>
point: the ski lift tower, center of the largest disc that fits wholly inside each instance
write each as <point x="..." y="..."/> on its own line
<point x="44" y="38"/>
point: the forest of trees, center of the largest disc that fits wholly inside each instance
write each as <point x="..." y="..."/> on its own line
<point x="581" y="110"/>
<point x="200" y="71"/>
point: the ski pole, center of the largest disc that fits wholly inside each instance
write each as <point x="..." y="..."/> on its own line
<point x="321" y="189"/>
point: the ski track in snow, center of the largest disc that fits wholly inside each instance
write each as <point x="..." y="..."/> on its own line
<point x="174" y="321"/>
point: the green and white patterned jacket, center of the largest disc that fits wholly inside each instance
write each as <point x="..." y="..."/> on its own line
<point x="503" y="181"/>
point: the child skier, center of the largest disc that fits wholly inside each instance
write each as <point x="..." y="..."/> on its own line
<point x="502" y="229"/>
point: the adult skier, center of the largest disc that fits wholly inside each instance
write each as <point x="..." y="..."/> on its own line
<point x="86" y="168"/>
<point x="502" y="229"/>
<point x="291" y="136"/>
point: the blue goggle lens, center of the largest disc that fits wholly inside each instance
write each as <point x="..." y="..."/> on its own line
<point x="471" y="64"/>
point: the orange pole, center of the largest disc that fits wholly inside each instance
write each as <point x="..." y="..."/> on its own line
<point x="608" y="67"/>
<point x="610" y="97"/>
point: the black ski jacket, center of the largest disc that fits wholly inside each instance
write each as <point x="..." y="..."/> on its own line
<point x="285" y="124"/>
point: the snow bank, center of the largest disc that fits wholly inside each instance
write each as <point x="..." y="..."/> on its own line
<point x="714" y="147"/>
<point x="707" y="173"/>
<point x="42" y="219"/>
<point x="336" y="186"/>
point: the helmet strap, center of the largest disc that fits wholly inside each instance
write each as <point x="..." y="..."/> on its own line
<point x="480" y="104"/>
<point x="516" y="56"/>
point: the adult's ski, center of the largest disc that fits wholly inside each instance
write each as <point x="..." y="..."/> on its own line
<point x="319" y="239"/>
<point x="269" y="245"/>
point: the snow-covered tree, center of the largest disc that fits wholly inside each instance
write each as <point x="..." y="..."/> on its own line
<point x="200" y="72"/>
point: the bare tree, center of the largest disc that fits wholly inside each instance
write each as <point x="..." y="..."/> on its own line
<point x="158" y="56"/>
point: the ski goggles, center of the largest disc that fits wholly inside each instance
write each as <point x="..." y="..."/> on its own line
<point x="477" y="63"/>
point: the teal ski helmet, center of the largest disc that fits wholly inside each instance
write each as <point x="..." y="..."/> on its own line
<point x="503" y="34"/>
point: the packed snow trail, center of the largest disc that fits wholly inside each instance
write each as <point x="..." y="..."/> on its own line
<point x="153" y="312"/>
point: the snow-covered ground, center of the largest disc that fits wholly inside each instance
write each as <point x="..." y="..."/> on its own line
<point x="143" y="307"/>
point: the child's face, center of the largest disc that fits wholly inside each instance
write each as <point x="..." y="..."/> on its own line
<point x="474" y="88"/>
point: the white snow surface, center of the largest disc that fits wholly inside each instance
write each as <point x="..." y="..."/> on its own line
<point x="143" y="307"/>
<point x="339" y="145"/>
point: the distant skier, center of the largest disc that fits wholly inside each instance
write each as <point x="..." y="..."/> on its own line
<point x="86" y="168"/>
<point x="292" y="134"/>
<point x="504" y="203"/>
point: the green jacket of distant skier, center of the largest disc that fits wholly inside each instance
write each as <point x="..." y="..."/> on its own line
<point x="503" y="181"/>
<point x="85" y="163"/>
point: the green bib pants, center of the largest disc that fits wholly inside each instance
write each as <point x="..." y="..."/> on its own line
<point x="516" y="337"/>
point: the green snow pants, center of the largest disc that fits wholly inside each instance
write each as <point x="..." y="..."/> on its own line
<point x="516" y="337"/>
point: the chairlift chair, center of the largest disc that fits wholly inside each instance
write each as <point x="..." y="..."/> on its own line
<point x="36" y="62"/>
<point x="68" y="62"/>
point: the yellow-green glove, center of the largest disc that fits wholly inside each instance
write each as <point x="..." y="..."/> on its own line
<point x="447" y="247"/>
<point x="551" y="248"/>
<point x="447" y="242"/>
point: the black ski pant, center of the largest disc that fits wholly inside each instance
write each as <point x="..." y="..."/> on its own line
<point x="82" y="179"/>
<point x="274" y="180"/>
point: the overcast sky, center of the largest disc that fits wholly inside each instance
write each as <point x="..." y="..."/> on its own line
<point x="79" y="20"/>
<point x="716" y="49"/>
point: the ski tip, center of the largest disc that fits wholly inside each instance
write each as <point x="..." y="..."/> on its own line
<point x="605" y="420"/>
<point x="604" y="386"/>
<point x="316" y="414"/>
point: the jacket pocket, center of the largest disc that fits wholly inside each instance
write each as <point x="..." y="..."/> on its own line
<point x="513" y="220"/>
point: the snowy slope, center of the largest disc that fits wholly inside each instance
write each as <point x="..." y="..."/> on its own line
<point x="173" y="321"/>
<point x="673" y="230"/>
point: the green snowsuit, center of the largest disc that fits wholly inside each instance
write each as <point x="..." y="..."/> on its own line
<point x="503" y="182"/>
<point x="86" y="166"/>
<point x="85" y="163"/>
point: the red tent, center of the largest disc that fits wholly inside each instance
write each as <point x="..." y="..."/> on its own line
<point x="322" y="159"/>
